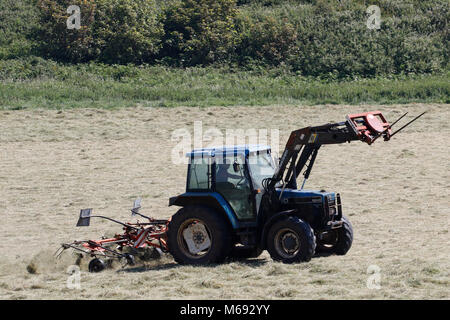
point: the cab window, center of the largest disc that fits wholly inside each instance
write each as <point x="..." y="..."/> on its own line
<point x="199" y="174"/>
<point x="232" y="182"/>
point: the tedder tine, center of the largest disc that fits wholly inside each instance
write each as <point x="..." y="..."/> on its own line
<point x="59" y="252"/>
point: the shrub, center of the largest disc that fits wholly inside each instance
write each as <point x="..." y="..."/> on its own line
<point x="17" y="19"/>
<point x="335" y="42"/>
<point x="319" y="38"/>
<point x="113" y="31"/>
<point x="267" y="38"/>
<point x="56" y="40"/>
<point x="127" y="30"/>
<point x="199" y="31"/>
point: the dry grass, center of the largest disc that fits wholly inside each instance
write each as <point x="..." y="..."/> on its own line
<point x="52" y="163"/>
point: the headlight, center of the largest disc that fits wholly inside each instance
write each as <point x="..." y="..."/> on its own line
<point x="332" y="211"/>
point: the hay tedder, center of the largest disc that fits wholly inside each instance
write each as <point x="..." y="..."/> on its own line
<point x="135" y="236"/>
<point x="239" y="202"/>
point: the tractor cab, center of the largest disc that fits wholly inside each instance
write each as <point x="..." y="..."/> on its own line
<point x="233" y="174"/>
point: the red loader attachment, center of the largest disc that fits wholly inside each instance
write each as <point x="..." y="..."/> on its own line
<point x="369" y="126"/>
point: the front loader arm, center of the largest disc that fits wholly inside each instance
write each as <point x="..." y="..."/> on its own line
<point x="303" y="144"/>
<point x="302" y="148"/>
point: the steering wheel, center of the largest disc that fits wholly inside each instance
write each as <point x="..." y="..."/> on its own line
<point x="240" y="185"/>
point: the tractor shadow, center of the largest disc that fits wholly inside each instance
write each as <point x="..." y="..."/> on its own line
<point x="322" y="255"/>
<point x="254" y="262"/>
<point x="170" y="265"/>
<point x="145" y="268"/>
<point x="173" y="265"/>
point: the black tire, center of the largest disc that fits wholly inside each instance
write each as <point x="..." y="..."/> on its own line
<point x="141" y="254"/>
<point x="96" y="265"/>
<point x="291" y="234"/>
<point x="130" y="259"/>
<point x="149" y="254"/>
<point x="218" y="230"/>
<point x="243" y="252"/>
<point x="345" y="238"/>
<point x="337" y="241"/>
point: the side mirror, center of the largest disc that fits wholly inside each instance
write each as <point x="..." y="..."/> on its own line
<point x="85" y="218"/>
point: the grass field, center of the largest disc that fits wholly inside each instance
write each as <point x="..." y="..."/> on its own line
<point x="36" y="83"/>
<point x="52" y="163"/>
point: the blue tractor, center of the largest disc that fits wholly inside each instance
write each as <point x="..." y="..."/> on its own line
<point x="239" y="202"/>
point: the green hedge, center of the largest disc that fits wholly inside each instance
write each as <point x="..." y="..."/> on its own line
<point x="198" y="31"/>
<point x="320" y="38"/>
<point x="17" y="21"/>
<point x="112" y="31"/>
<point x="332" y="40"/>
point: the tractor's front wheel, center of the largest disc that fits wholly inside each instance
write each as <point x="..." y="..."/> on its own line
<point x="198" y="235"/>
<point x="291" y="240"/>
<point x="337" y="241"/>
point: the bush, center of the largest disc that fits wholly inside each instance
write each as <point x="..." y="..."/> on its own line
<point x="112" y="31"/>
<point x="267" y="39"/>
<point x="319" y="38"/>
<point x="127" y="30"/>
<point x="334" y="42"/>
<point x="56" y="40"/>
<point x="199" y="31"/>
<point x="17" y="19"/>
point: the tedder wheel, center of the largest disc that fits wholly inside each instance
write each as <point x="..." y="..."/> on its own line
<point x="243" y="252"/>
<point x="130" y="259"/>
<point x="198" y="235"/>
<point x="291" y="240"/>
<point x="96" y="265"/>
<point x="337" y="241"/>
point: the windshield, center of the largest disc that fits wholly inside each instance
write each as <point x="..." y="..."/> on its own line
<point x="261" y="166"/>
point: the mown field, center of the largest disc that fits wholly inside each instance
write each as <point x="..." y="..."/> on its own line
<point x="54" y="162"/>
<point x="87" y="117"/>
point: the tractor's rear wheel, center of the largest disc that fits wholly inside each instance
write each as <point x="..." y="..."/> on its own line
<point x="198" y="235"/>
<point x="337" y="241"/>
<point x="291" y="240"/>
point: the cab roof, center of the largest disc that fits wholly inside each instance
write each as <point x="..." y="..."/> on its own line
<point x="228" y="150"/>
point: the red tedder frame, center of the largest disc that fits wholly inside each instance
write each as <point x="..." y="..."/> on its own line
<point x="151" y="236"/>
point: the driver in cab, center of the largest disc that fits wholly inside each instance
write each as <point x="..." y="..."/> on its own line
<point x="223" y="173"/>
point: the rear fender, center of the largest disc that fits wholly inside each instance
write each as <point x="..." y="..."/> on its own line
<point x="211" y="199"/>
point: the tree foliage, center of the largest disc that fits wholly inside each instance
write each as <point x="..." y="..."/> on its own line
<point x="114" y="31"/>
<point x="199" y="31"/>
<point x="320" y="38"/>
